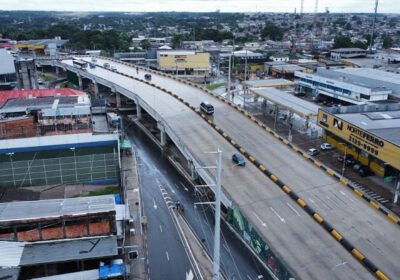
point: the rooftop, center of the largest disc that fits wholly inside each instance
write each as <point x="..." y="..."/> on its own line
<point x="35" y="93"/>
<point x="269" y="83"/>
<point x="348" y="50"/>
<point x="384" y="124"/>
<point x="55" y="208"/>
<point x="288" y="101"/>
<point x="7" y="62"/>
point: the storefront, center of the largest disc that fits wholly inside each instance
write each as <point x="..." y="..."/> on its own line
<point x="368" y="146"/>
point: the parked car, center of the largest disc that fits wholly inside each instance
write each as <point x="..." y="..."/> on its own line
<point x="106" y="65"/>
<point x="40" y="81"/>
<point x="238" y="159"/>
<point x="206" y="108"/>
<point x="349" y="160"/>
<point x="313" y="152"/>
<point x="113" y="68"/>
<point x="356" y="167"/>
<point x="326" y="146"/>
<point x="364" y="171"/>
<point x="147" y="77"/>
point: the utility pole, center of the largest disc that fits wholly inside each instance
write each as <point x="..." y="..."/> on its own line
<point x="217" y="225"/>
<point x="373" y="27"/>
<point x="396" y="192"/>
<point x="229" y="73"/>
<point x="301" y="8"/>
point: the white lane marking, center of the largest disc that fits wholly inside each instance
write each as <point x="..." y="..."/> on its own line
<point x="154" y="204"/>
<point x="261" y="221"/>
<point x="166" y="253"/>
<point x="344" y="194"/>
<point x="340" y="264"/>
<point x="248" y="277"/>
<point x="276" y="213"/>
<point x="160" y="228"/>
<point x="186" y="189"/>
<point x="189" y="275"/>
<point x="294" y="210"/>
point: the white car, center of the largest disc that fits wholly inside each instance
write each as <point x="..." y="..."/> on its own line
<point x="313" y="152"/>
<point x="326" y="146"/>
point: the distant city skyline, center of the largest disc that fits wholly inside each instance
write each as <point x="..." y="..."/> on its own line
<point x="338" y="6"/>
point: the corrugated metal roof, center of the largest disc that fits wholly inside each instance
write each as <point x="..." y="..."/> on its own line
<point x="11" y="253"/>
<point x="67" y="111"/>
<point x="34" y="210"/>
<point x="69" y="250"/>
<point x="288" y="101"/>
<point x="7" y="62"/>
<point x="81" y="275"/>
<point x="32" y="93"/>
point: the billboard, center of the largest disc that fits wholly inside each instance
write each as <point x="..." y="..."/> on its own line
<point x="360" y="138"/>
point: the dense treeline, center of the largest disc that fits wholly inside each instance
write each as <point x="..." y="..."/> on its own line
<point x="109" y="40"/>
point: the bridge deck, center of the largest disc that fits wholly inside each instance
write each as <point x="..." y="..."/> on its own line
<point x="305" y="247"/>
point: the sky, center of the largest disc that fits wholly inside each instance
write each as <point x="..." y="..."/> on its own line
<point x="336" y="6"/>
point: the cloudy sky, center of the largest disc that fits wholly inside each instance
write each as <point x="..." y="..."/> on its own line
<point x="385" y="6"/>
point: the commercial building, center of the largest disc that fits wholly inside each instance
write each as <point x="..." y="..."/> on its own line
<point x="60" y="236"/>
<point x="281" y="69"/>
<point x="190" y="63"/>
<point x="46" y="138"/>
<point x="338" y="54"/>
<point x="342" y="86"/>
<point x="28" y="113"/>
<point x="371" y="133"/>
<point x="8" y="76"/>
<point x="374" y="77"/>
<point x="42" y="46"/>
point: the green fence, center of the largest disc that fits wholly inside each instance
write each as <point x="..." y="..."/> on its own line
<point x="259" y="246"/>
<point x="100" y="168"/>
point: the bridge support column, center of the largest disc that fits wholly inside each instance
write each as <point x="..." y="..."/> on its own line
<point x="193" y="173"/>
<point x="96" y="88"/>
<point x="163" y="135"/>
<point x="57" y="71"/>
<point x="138" y="111"/>
<point x="118" y="99"/>
<point x="80" y="82"/>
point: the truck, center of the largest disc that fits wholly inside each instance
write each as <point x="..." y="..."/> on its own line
<point x="113" y="119"/>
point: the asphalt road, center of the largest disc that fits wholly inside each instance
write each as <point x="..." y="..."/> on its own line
<point x="154" y="169"/>
<point x="307" y="249"/>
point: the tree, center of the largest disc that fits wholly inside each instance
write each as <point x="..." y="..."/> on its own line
<point x="272" y="32"/>
<point x="145" y="44"/>
<point x="342" y="42"/>
<point x="387" y="42"/>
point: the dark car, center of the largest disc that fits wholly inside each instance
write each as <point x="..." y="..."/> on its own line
<point x="349" y="160"/>
<point x="364" y="171"/>
<point x="238" y="160"/>
<point x="206" y="108"/>
<point x="147" y="77"/>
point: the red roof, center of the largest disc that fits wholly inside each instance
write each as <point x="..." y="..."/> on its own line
<point x="32" y="93"/>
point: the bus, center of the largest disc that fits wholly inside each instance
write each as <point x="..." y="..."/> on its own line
<point x="80" y="63"/>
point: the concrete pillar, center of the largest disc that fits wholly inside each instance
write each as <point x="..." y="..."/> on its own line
<point x="193" y="173"/>
<point x="80" y="82"/>
<point x="118" y="99"/>
<point x="276" y="115"/>
<point x="57" y="71"/>
<point x="96" y="88"/>
<point x="138" y="111"/>
<point x="163" y="137"/>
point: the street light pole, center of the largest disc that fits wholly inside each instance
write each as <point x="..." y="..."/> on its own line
<point x="344" y="158"/>
<point x="229" y="73"/>
<point x="217" y="228"/>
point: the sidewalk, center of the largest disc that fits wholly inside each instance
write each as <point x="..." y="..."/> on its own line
<point x="138" y="266"/>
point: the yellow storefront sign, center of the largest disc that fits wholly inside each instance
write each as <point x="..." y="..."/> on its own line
<point x="362" y="139"/>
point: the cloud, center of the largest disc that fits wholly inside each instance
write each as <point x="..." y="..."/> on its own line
<point x="386" y="6"/>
